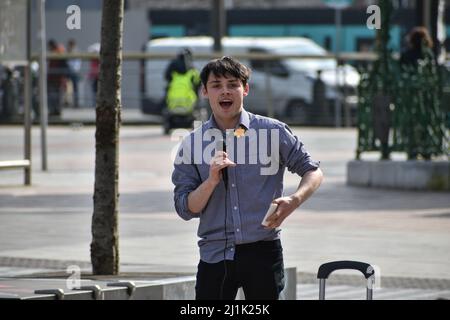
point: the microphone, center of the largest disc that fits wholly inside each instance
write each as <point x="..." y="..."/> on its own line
<point x="222" y="146"/>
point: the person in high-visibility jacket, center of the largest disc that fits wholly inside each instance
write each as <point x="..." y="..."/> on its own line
<point x="183" y="83"/>
<point x="181" y="93"/>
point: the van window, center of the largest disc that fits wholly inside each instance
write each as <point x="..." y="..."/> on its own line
<point x="275" y="67"/>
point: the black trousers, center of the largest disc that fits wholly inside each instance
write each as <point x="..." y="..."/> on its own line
<point x="257" y="268"/>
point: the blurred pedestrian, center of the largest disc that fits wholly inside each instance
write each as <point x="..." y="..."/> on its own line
<point x="9" y="89"/>
<point x="57" y="71"/>
<point x="420" y="46"/>
<point x="94" y="71"/>
<point x="183" y="82"/>
<point x="74" y="67"/>
<point x="321" y="110"/>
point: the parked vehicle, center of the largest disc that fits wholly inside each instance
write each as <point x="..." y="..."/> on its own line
<point x="291" y="80"/>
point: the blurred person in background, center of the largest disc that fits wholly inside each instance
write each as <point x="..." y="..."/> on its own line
<point x="183" y="82"/>
<point x="57" y="71"/>
<point x="419" y="61"/>
<point x="420" y="46"/>
<point x="94" y="71"/>
<point x="74" y="66"/>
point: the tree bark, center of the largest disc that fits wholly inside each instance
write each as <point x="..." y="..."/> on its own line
<point x="105" y="235"/>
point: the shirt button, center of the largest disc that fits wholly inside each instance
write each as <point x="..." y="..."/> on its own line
<point x="235" y="208"/>
<point x="232" y="249"/>
<point x="233" y="185"/>
<point x="238" y="230"/>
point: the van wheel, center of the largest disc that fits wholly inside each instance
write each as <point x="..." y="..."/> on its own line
<point x="297" y="112"/>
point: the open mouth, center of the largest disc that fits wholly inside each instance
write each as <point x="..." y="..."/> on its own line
<point x="225" y="104"/>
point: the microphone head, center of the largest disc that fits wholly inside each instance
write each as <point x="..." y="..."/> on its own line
<point x="221" y="145"/>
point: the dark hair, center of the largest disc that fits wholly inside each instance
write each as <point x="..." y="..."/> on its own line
<point x="71" y="42"/>
<point x="52" y="44"/>
<point x="225" y="67"/>
<point x="420" y="35"/>
<point x="185" y="60"/>
<point x="185" y="52"/>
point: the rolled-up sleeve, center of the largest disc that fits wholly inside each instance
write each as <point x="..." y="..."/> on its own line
<point x="186" y="179"/>
<point x="293" y="153"/>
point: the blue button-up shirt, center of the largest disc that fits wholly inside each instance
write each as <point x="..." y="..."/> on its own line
<point x="233" y="215"/>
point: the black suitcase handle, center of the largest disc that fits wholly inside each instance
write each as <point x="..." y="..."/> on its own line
<point x="327" y="268"/>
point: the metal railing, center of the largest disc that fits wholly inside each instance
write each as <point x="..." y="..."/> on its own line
<point x="348" y="116"/>
<point x="411" y="117"/>
<point x="344" y="112"/>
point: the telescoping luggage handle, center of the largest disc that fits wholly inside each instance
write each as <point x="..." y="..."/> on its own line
<point x="327" y="268"/>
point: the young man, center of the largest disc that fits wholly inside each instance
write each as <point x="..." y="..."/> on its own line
<point x="232" y="192"/>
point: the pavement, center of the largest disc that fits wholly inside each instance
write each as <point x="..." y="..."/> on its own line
<point x="86" y="116"/>
<point x="45" y="227"/>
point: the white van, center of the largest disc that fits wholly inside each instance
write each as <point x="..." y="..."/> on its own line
<point x="291" y="80"/>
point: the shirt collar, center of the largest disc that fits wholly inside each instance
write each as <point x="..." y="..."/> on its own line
<point x="244" y="121"/>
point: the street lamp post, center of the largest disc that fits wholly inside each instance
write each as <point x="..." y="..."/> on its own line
<point x="43" y="108"/>
<point x="338" y="6"/>
<point x="218" y="23"/>
<point x="27" y="95"/>
<point x="337" y="102"/>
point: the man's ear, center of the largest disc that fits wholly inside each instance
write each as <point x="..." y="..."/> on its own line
<point x="204" y="91"/>
<point x="246" y="89"/>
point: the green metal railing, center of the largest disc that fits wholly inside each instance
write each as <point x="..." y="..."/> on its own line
<point x="413" y="116"/>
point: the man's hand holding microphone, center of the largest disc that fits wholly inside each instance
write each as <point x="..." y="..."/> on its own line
<point x="218" y="165"/>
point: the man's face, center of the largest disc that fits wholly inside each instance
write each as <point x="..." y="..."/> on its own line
<point x="226" y="96"/>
